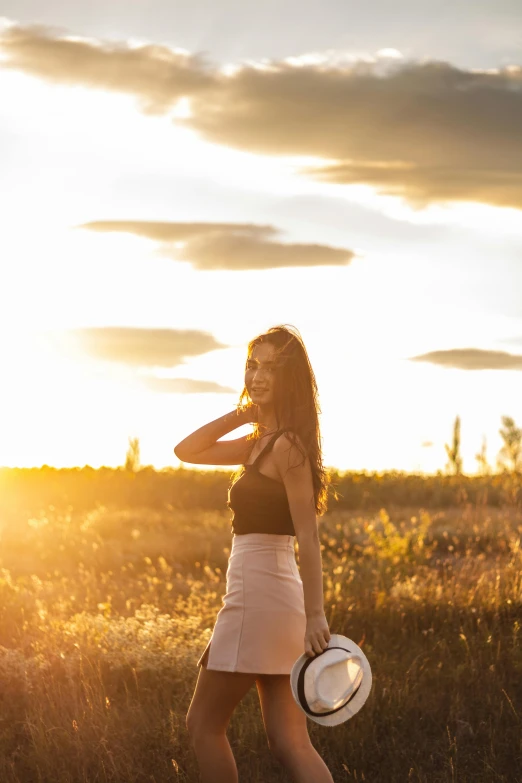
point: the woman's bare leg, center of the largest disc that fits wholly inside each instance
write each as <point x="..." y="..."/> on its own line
<point x="215" y="697"/>
<point x="287" y="731"/>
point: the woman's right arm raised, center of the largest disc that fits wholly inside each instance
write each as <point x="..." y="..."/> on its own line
<point x="201" y="446"/>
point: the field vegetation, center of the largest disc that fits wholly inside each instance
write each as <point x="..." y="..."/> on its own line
<point x="105" y="607"/>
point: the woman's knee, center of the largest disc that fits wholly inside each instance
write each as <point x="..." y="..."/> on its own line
<point x="284" y="747"/>
<point x="195" y="723"/>
<point x="202" y="723"/>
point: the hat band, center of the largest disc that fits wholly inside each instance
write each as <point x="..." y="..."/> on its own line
<point x="300" y="686"/>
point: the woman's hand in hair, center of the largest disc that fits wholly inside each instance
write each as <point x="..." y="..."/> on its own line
<point x="249" y="413"/>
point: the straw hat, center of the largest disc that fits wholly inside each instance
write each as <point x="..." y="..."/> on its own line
<point x="331" y="686"/>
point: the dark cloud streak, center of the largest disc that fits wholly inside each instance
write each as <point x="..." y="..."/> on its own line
<point x="156" y="75"/>
<point x="426" y="131"/>
<point x="471" y="359"/>
<point x="219" y="246"/>
<point x="137" y="347"/>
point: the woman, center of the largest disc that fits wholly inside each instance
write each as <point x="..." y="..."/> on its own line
<point x="269" y="615"/>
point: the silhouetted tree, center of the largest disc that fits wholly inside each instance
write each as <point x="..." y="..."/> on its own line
<point x="484" y="467"/>
<point x="132" y="460"/>
<point x="512" y="448"/>
<point x="455" y="460"/>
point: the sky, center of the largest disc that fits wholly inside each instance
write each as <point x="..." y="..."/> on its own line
<point x="179" y="177"/>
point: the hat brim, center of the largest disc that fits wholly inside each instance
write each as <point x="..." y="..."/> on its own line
<point x="354" y="704"/>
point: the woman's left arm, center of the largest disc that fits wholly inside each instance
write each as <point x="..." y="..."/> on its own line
<point x="298" y="483"/>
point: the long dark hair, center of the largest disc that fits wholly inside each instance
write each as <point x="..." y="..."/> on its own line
<point x="296" y="403"/>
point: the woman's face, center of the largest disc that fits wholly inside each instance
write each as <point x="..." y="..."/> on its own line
<point x="259" y="374"/>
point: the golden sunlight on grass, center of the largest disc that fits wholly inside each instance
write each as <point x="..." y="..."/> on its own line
<point x="105" y="610"/>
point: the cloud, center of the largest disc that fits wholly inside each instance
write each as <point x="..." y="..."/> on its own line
<point x="472" y="359"/>
<point x="425" y="131"/>
<point x="137" y="347"/>
<point x="185" y="386"/>
<point x="213" y="246"/>
<point x="158" y="76"/>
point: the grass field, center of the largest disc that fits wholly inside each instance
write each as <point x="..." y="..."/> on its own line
<point x="104" y="613"/>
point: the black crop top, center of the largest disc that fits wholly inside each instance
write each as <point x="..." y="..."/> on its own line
<point x="259" y="503"/>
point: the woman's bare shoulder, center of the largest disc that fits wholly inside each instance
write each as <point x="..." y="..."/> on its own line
<point x="289" y="443"/>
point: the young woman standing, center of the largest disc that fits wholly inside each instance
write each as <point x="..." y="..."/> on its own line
<point x="271" y="612"/>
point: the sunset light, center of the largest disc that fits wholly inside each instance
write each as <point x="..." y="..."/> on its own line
<point x="260" y="391"/>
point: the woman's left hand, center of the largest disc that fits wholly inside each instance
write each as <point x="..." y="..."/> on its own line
<point x="317" y="634"/>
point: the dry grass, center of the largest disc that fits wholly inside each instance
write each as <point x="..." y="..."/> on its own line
<point x="103" y="615"/>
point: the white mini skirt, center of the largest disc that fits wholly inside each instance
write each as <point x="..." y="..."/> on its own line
<point x="261" y="625"/>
